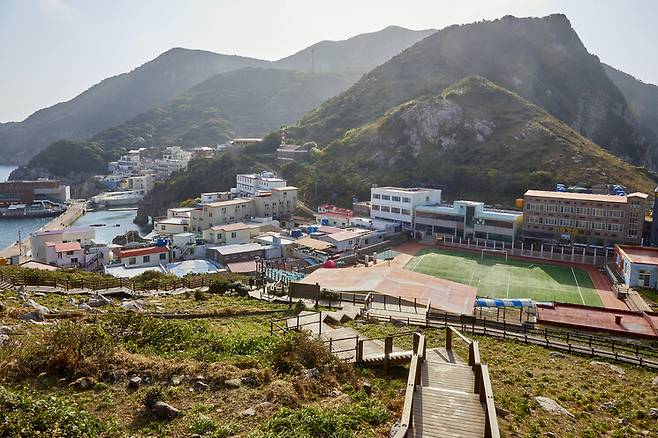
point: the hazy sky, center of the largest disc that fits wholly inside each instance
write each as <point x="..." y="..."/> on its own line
<point x="51" y="50"/>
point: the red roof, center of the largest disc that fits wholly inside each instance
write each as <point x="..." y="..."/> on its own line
<point x="142" y="251"/>
<point x="330" y="209"/>
<point x="69" y="246"/>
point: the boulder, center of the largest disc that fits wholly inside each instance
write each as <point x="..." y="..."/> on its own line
<point x="72" y="301"/>
<point x="116" y="376"/>
<point x="134" y="382"/>
<point x="39" y="294"/>
<point x="623" y="422"/>
<point x="249" y="380"/>
<point x="653" y="413"/>
<point x="233" y="383"/>
<point x="200" y="386"/>
<point x="7" y="330"/>
<point x="83" y="383"/>
<point x="312" y="373"/>
<point x="367" y="387"/>
<point x="248" y="412"/>
<point x="36" y="306"/>
<point x="176" y="380"/>
<point x="132" y="305"/>
<point x="612" y="367"/>
<point x="84" y="306"/>
<point x="654" y="382"/>
<point x="550" y="405"/>
<point x="99" y="301"/>
<point x="164" y="410"/>
<point x="3" y="339"/>
<point x="35" y="315"/>
<point x="557" y="355"/>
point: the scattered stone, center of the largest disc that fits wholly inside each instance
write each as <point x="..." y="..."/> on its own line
<point x="2" y="307"/>
<point x="3" y="339"/>
<point x="249" y="380"/>
<point x="134" y="382"/>
<point x="132" y="305"/>
<point x="7" y="330"/>
<point x="367" y="387"/>
<point x="550" y="434"/>
<point x="264" y="405"/>
<point x="83" y="383"/>
<point x="397" y="323"/>
<point x="653" y="413"/>
<point x="612" y="367"/>
<point x="557" y="355"/>
<point x="336" y="392"/>
<point x="200" y="386"/>
<point x="39" y="294"/>
<point x="164" y="410"/>
<point x="36" y="306"/>
<point x="117" y="376"/>
<point x="99" y="301"/>
<point x="312" y="373"/>
<point x="609" y="406"/>
<point x="176" y="380"/>
<point x="33" y="316"/>
<point x="550" y="405"/>
<point x="72" y="301"/>
<point x="654" y="382"/>
<point x="248" y="412"/>
<point x="233" y="383"/>
<point x="623" y="422"/>
<point x="84" y="306"/>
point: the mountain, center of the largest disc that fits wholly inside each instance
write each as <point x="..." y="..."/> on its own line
<point x="115" y="100"/>
<point x="542" y="59"/>
<point x="359" y="54"/>
<point x="642" y="100"/>
<point x="247" y="102"/>
<point x="476" y="140"/>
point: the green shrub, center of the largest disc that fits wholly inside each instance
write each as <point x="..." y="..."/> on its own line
<point x="297" y="351"/>
<point x="202" y="425"/>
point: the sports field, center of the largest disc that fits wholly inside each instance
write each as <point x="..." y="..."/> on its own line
<point x="496" y="278"/>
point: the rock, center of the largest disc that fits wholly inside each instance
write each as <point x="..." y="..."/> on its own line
<point x="39" y="294"/>
<point x="264" y="405"/>
<point x="83" y="383"/>
<point x="653" y="413"/>
<point x="623" y="422"/>
<point x="164" y="410"/>
<point x="200" y="386"/>
<point x="550" y="405"/>
<point x="176" y="380"/>
<point x="2" y="307"/>
<point x="132" y="305"/>
<point x="367" y="387"/>
<point x="61" y="381"/>
<point x="550" y="434"/>
<point x="233" y="383"/>
<point x="654" y="382"/>
<point x="249" y="380"/>
<point x="557" y="355"/>
<point x="33" y="316"/>
<point x="248" y="412"/>
<point x="99" y="301"/>
<point x="134" y="382"/>
<point x="336" y="392"/>
<point x="117" y="376"/>
<point x="612" y="367"/>
<point x="84" y="306"/>
<point x="397" y="323"/>
<point x="609" y="406"/>
<point x="312" y="373"/>
<point x="3" y="339"/>
<point x="7" y="330"/>
<point x="36" y="306"/>
<point x="72" y="301"/>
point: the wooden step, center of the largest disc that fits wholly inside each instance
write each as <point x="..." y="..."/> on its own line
<point x="447" y="413"/>
<point x="448" y="376"/>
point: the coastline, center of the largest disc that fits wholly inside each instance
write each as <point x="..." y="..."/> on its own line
<point x="64" y="220"/>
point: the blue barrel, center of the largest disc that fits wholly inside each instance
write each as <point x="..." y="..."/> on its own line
<point x="312" y="229"/>
<point x="296" y="233"/>
<point x="324" y="221"/>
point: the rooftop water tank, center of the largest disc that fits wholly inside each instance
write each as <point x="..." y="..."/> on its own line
<point x="296" y="233"/>
<point x="324" y="221"/>
<point x="161" y="242"/>
<point x="312" y="229"/>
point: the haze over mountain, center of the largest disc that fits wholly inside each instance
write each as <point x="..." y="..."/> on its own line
<point x="360" y="53"/>
<point x="542" y="59"/>
<point x="115" y="100"/>
<point x="123" y="97"/>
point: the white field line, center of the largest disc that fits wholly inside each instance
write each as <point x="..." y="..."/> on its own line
<point x="417" y="260"/>
<point x="577" y="285"/>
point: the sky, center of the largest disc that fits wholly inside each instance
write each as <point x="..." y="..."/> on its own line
<point x="52" y="50"/>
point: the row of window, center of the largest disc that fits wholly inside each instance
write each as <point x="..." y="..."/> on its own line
<point x="582" y="224"/>
<point x="569" y="209"/>
<point x="387" y="209"/>
<point x="146" y="259"/>
<point x="392" y="198"/>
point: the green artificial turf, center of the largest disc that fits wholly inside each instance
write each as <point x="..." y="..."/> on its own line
<point x="496" y="278"/>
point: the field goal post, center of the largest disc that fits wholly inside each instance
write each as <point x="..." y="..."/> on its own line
<point x="493" y="252"/>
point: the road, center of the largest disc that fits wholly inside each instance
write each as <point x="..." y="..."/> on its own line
<point x="75" y="210"/>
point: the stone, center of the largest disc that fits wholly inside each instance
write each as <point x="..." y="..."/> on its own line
<point x="200" y="386"/>
<point x="36" y="306"/>
<point x="550" y="434"/>
<point x="132" y="305"/>
<point x="72" y="301"/>
<point x="264" y="405"/>
<point x="3" y="339"/>
<point x="233" y="383"/>
<point x="39" y="294"/>
<point x="623" y="422"/>
<point x="249" y="380"/>
<point x="42" y="376"/>
<point x="99" y="301"/>
<point x="609" y="406"/>
<point x="134" y="382"/>
<point x="394" y="430"/>
<point x="248" y="412"/>
<point x="367" y="387"/>
<point x="2" y="307"/>
<point x="653" y="413"/>
<point x="176" y="380"/>
<point x="612" y="367"/>
<point x="654" y="382"/>
<point x="557" y="355"/>
<point x="164" y="410"/>
<point x="83" y="383"/>
<point x="117" y="376"/>
<point x="550" y="405"/>
<point x="33" y="316"/>
<point x="8" y="330"/>
<point x="312" y="373"/>
<point x="84" y="306"/>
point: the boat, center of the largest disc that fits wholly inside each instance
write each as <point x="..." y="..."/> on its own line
<point x="36" y="209"/>
<point x="117" y="199"/>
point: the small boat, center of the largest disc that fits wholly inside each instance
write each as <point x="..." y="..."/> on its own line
<point x="39" y="208"/>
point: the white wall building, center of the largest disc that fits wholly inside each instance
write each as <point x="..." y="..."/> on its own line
<point x="141" y="183"/>
<point x="40" y="239"/>
<point x="142" y="257"/>
<point x="251" y="183"/>
<point x="395" y="204"/>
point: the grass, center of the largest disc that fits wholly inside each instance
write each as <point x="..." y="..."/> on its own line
<point x="495" y="278"/>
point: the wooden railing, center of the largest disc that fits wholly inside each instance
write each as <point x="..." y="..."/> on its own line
<point x="413" y="381"/>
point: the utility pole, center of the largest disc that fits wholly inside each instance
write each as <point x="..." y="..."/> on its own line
<point x="20" y="244"/>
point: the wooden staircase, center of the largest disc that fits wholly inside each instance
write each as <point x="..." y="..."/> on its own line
<point x="447" y="397"/>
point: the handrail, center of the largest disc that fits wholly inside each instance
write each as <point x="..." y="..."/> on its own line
<point x="486" y="396"/>
<point x="413" y="380"/>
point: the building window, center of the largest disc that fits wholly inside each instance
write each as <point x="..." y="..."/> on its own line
<point x="146" y="259"/>
<point x="376" y="196"/>
<point x="163" y="256"/>
<point x="615" y="228"/>
<point x="550" y="221"/>
<point x="162" y="227"/>
<point x="74" y="260"/>
<point x="374" y="207"/>
<point x="395" y="199"/>
<point x="406" y="200"/>
<point x="386" y="197"/>
<point x="550" y="208"/>
<point x="233" y="235"/>
<point x="566" y="209"/>
<point x="616" y="214"/>
<point x="132" y="261"/>
<point x="405" y="212"/>
<point x="395" y="210"/>
<point x="644" y="278"/>
<point x="582" y="224"/>
<point x="385" y="209"/>
<point x="566" y="222"/>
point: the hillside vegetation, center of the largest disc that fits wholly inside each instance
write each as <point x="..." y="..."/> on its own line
<point x="475" y="140"/>
<point x="541" y="59"/>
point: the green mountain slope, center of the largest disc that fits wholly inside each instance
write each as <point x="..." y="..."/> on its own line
<point x="542" y="59"/>
<point x="360" y="53"/>
<point x="246" y="102"/>
<point x="642" y="100"/>
<point x="476" y="140"/>
<point x="115" y="100"/>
